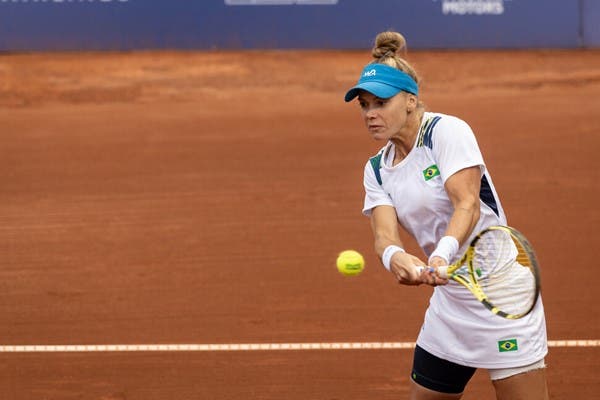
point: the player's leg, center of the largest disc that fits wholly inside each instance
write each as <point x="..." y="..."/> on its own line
<point x="526" y="383"/>
<point x="434" y="378"/>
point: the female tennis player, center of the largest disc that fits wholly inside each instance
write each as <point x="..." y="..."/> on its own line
<point x="431" y="180"/>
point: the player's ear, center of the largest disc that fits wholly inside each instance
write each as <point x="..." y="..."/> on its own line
<point x="411" y="102"/>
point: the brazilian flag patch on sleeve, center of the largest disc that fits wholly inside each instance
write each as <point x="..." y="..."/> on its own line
<point x="507" y="345"/>
<point x="431" y="172"/>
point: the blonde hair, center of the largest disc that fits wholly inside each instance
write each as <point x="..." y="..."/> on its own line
<point x="389" y="49"/>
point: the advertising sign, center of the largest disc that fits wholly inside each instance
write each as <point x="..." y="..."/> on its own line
<point x="336" y="24"/>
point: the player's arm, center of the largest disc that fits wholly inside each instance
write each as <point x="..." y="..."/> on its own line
<point x="463" y="190"/>
<point x="384" y="224"/>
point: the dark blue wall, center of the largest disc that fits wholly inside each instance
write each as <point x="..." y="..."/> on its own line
<point x="347" y="24"/>
<point x="590" y="12"/>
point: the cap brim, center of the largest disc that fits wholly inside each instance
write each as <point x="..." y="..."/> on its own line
<point x="379" y="89"/>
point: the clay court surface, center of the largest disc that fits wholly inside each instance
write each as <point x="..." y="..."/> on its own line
<point x="201" y="198"/>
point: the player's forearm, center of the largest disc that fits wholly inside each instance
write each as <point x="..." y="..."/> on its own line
<point x="463" y="221"/>
<point x="385" y="229"/>
<point x="387" y="243"/>
<point x="463" y="190"/>
<point x="382" y="241"/>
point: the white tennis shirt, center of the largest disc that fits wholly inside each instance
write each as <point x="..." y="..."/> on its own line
<point x="456" y="327"/>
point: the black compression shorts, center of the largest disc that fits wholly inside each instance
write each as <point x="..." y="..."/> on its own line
<point x="438" y="374"/>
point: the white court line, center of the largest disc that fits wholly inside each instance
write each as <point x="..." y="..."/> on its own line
<point x="105" y="348"/>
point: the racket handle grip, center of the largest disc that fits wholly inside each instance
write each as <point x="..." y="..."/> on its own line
<point x="442" y="271"/>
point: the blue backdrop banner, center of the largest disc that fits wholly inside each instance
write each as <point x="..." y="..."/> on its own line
<point x="342" y="24"/>
<point x="590" y="23"/>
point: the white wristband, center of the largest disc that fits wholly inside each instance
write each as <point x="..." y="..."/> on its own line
<point x="446" y="249"/>
<point x="389" y="251"/>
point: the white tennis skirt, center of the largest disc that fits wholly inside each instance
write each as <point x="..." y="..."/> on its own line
<point x="460" y="329"/>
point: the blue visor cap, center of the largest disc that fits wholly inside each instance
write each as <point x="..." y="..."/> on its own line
<point x="384" y="82"/>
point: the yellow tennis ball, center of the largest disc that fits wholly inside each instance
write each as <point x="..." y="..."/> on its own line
<point x="350" y="263"/>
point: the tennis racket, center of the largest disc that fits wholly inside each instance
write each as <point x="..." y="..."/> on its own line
<point x="500" y="268"/>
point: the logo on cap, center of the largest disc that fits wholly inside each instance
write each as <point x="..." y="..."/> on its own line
<point x="370" y="73"/>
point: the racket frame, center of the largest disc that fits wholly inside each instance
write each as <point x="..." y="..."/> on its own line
<point x="471" y="282"/>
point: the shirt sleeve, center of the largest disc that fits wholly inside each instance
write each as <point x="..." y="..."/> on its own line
<point x="374" y="193"/>
<point x="455" y="147"/>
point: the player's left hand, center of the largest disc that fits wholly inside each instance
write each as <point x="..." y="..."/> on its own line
<point x="433" y="276"/>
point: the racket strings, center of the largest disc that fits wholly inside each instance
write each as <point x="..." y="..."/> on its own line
<point x="502" y="269"/>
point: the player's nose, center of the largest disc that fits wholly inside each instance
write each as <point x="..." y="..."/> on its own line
<point x="371" y="113"/>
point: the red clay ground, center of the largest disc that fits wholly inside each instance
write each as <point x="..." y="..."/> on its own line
<point x="203" y="197"/>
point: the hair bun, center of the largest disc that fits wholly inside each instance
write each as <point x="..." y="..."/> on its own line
<point x="389" y="44"/>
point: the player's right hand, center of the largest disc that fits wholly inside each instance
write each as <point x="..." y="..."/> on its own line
<point x="404" y="268"/>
